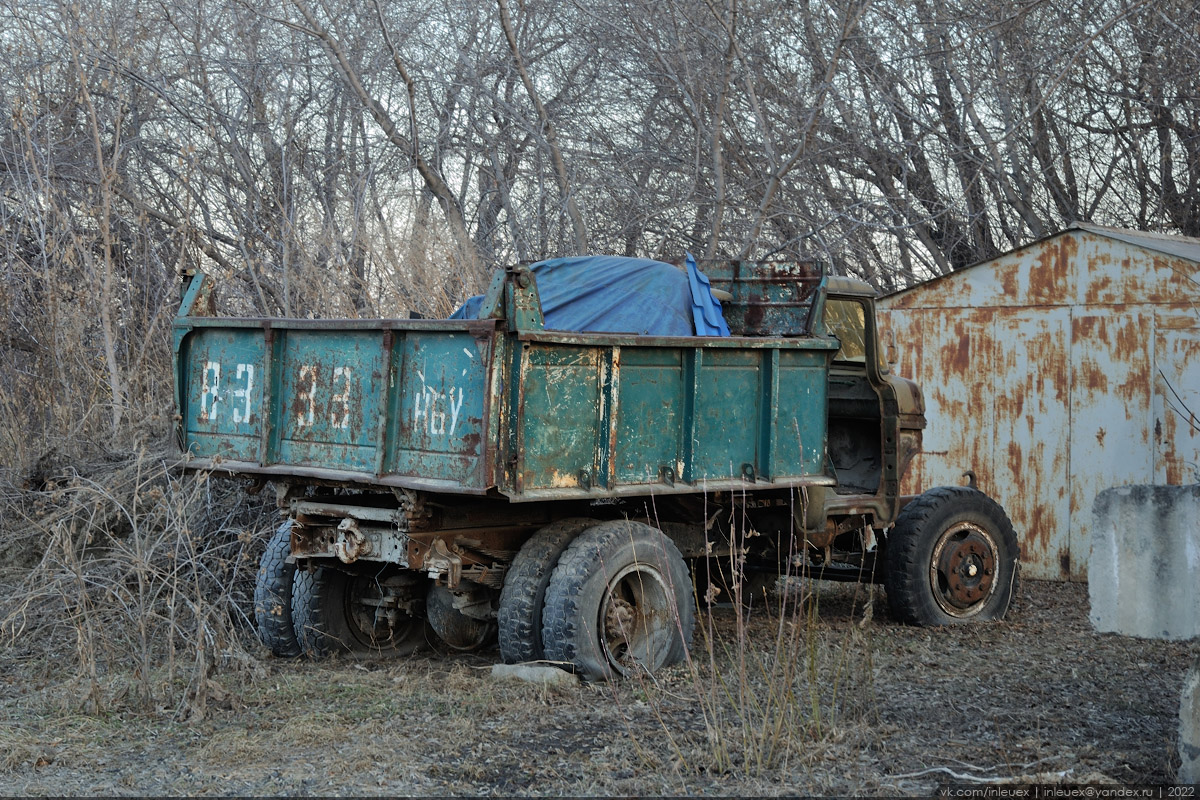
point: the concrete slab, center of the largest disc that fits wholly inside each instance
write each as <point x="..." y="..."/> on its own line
<point x="1144" y="569"/>
<point x="1189" y="727"/>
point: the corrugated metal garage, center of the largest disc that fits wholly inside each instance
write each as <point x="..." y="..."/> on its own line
<point x="1054" y="372"/>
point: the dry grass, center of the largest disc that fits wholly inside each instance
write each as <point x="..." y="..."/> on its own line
<point x="135" y="578"/>
<point x="131" y="666"/>
<point x="1041" y="694"/>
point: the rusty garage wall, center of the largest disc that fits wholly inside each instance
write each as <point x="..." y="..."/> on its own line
<point x="1055" y="372"/>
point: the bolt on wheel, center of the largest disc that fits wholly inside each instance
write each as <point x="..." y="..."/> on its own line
<point x="962" y="570"/>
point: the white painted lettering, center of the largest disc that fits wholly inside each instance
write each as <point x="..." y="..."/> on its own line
<point x="437" y="417"/>
<point x="210" y="388"/>
<point x="245" y="393"/>
<point x="342" y="398"/>
<point x="432" y="409"/>
<point x="304" y="417"/>
<point x="455" y="407"/>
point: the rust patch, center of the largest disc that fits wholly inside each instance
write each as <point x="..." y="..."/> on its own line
<point x="1040" y="532"/>
<point x="1015" y="459"/>
<point x="1009" y="285"/>
<point x="1100" y="437"/>
<point x="1176" y="318"/>
<point x="1130" y="339"/>
<point x="1045" y="275"/>
<point x="1088" y="330"/>
<point x="1100" y="286"/>
<point x="960" y="362"/>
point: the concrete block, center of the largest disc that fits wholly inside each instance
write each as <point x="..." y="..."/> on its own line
<point x="1189" y="727"/>
<point x="539" y="674"/>
<point x="1144" y="569"/>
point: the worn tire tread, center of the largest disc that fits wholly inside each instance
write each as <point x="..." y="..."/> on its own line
<point x="563" y="638"/>
<point x="273" y="595"/>
<point x="309" y="616"/>
<point x="322" y="628"/>
<point x="524" y="593"/>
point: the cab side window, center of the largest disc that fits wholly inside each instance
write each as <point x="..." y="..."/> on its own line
<point x="847" y="320"/>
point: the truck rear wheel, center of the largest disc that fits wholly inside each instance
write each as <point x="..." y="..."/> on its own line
<point x="951" y="558"/>
<point x="335" y="611"/>
<point x="619" y="601"/>
<point x="524" y="593"/>
<point x="273" y="595"/>
<point x="456" y="629"/>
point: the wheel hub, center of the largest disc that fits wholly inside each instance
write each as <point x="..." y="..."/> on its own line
<point x="618" y="627"/>
<point x="379" y="612"/>
<point x="635" y="620"/>
<point x="963" y="569"/>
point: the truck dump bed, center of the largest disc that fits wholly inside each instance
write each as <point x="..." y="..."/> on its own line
<point x="499" y="406"/>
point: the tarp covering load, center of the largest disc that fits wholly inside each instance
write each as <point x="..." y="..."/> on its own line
<point x="613" y="294"/>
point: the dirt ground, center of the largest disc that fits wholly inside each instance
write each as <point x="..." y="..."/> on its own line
<point x="873" y="708"/>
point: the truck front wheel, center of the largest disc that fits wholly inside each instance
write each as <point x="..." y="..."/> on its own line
<point x="952" y="557"/>
<point x="335" y="611"/>
<point x="619" y="601"/>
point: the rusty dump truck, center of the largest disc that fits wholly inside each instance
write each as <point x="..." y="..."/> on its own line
<point x="577" y="493"/>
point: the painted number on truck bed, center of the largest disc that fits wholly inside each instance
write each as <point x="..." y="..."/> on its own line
<point x="235" y="398"/>
<point x="306" y="396"/>
<point x="242" y="392"/>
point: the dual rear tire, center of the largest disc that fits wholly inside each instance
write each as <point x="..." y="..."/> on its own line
<point x="360" y="613"/>
<point x="612" y="598"/>
<point x="323" y="611"/>
<point x="273" y="595"/>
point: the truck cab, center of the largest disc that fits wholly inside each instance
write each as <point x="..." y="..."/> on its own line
<point x="875" y="418"/>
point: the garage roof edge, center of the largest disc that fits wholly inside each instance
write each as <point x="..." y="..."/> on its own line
<point x="1185" y="247"/>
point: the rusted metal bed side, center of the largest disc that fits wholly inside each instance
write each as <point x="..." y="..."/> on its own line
<point x="598" y="415"/>
<point x="471" y="406"/>
<point x="398" y="403"/>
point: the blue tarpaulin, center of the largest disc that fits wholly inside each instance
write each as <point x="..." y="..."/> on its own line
<point x="612" y="294"/>
<point x="706" y="310"/>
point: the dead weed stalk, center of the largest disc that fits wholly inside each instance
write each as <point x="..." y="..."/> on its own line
<point x="147" y="569"/>
<point x="770" y="680"/>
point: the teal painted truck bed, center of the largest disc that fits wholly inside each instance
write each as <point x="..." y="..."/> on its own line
<point x="477" y="407"/>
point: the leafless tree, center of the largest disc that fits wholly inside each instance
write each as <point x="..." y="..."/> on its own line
<point x="369" y="158"/>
